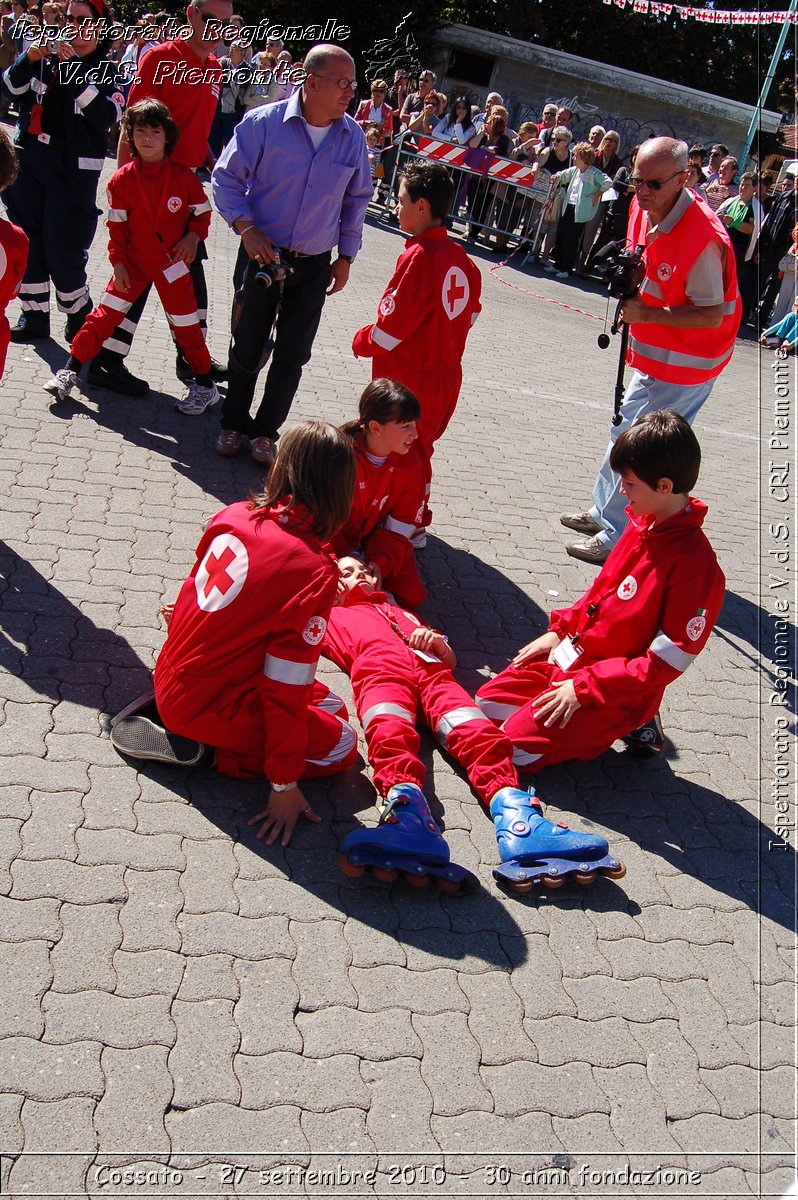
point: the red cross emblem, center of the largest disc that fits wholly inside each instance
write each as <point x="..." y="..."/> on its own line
<point x="455" y="292"/>
<point x="222" y="572"/>
<point x="314" y="631"/>
<point x="628" y="588"/>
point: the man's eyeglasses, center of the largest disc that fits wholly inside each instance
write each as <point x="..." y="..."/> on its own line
<point x="653" y="185"/>
<point x="343" y="85"/>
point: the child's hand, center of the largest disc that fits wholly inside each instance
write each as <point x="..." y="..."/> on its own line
<point x="121" y="278"/>
<point x="167" y="612"/>
<point x="281" y="814"/>
<point x="186" y="249"/>
<point x="429" y="641"/>
<point x="557" y="706"/>
<point x="543" y="645"/>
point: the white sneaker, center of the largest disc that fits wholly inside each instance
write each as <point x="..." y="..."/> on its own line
<point x="61" y="383"/>
<point x="197" y="399"/>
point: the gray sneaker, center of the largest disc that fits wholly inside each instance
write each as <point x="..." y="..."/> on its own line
<point x="591" y="550"/>
<point x="61" y="384"/>
<point x="197" y="399"/>
<point x="139" y="737"/>
<point x="581" y="522"/>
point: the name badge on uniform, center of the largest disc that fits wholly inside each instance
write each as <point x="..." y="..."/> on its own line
<point x="44" y="138"/>
<point x="175" y="271"/>
<point x="566" y="654"/>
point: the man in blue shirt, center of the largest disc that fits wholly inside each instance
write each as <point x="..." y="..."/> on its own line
<point x="294" y="182"/>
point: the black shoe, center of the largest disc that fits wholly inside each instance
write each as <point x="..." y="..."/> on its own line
<point x="648" y="741"/>
<point x="116" y="378"/>
<point x="218" y="371"/>
<point x="30" y="328"/>
<point x="139" y="737"/>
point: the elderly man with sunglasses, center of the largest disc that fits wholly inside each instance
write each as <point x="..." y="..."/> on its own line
<point x="682" y="325"/>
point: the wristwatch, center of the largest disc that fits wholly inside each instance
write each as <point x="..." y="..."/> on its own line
<point x="283" y="787"/>
<point x="347" y="257"/>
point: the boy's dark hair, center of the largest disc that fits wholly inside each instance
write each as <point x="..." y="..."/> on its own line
<point x="384" y="400"/>
<point x="152" y="113"/>
<point x="430" y="181"/>
<point x="659" y="446"/>
<point x="315" y="466"/>
<point x="8" y="161"/>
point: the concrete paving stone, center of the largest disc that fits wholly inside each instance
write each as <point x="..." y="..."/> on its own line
<point x="734" y="1181"/>
<point x="704" y="1024"/>
<point x="209" y="978"/>
<point x="430" y="992"/>
<point x="115" y="1020"/>
<point x="698" y="926"/>
<point x="216" y="1133"/>
<point x="343" y="1132"/>
<point x="148" y="916"/>
<point x="266" y="1007"/>
<point x="87" y="747"/>
<point x="643" y="866"/>
<point x="87" y="925"/>
<point x="73" y="882"/>
<point x="130" y="1116"/>
<point x="201" y="1060"/>
<point x="48" y="775"/>
<point x="754" y="944"/>
<point x="450" y="1064"/>
<point x="27" y="920"/>
<point x="742" y="1090"/>
<point x="50" y="830"/>
<point x="538" y="978"/>
<point x="148" y="973"/>
<point x="638" y="1000"/>
<point x="12" y="1135"/>
<point x="764" y="1044"/>
<point x="478" y="952"/>
<point x="607" y="1043"/>
<point x="672" y="1067"/>
<point x="689" y="892"/>
<point x="109" y="802"/>
<point x="320" y="1085"/>
<point x="143" y="852"/>
<point x="40" y="1071"/>
<point x="25" y="975"/>
<point x="225" y="933"/>
<point x="637" y="1111"/>
<point x="576" y="942"/>
<point x="495" y="1019"/>
<point x="59" y="1145"/>
<point x="399" y="1107"/>
<point x="10" y="846"/>
<point x="525" y="1086"/>
<point x="175" y="817"/>
<point x="207" y="882"/>
<point x="15" y="802"/>
<point x="730" y="982"/>
<point x="25" y="726"/>
<point x="378" y="1037"/>
<point x="476" y="1140"/>
<point x="590" y="1134"/>
<point x="269" y="896"/>
<point x="321" y="966"/>
<point x="673" y="960"/>
<point x="731" y="1134"/>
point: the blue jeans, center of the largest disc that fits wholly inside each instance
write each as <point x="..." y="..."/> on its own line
<point x="643" y="395"/>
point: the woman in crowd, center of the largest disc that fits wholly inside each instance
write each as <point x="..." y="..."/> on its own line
<point x="237" y="92"/>
<point x="554" y="158"/>
<point x="742" y="215"/>
<point x="377" y="111"/>
<point x="582" y="186"/>
<point x="456" y="126"/>
<point x="495" y="140"/>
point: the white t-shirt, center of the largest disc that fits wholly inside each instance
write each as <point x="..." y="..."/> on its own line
<point x="317" y="133"/>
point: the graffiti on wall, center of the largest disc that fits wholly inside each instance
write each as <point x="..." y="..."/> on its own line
<point x="693" y="128"/>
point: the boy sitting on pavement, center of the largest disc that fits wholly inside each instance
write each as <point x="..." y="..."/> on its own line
<point x="601" y="670"/>
<point x="399" y="668"/>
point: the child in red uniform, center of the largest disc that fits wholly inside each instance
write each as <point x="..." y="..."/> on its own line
<point x="601" y="670"/>
<point x="390" y="488"/>
<point x="399" y="668"/>
<point x="13" y="247"/>
<point x="158" y="215"/>
<point x="238" y="668"/>
<point x="428" y="307"/>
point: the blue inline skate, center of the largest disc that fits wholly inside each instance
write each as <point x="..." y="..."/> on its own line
<point x="406" y="842"/>
<point x="534" y="851"/>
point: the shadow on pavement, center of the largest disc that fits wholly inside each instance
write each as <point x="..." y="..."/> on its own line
<point x="747" y="621"/>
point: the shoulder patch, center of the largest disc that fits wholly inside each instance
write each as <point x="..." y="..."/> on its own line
<point x="314" y="631"/>
<point x="386" y="306"/>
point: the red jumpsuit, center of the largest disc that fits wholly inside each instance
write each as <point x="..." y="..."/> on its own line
<point x="387" y="506"/>
<point x="641" y="624"/>
<point x="150" y="207"/>
<point x="391" y="684"/>
<point x="423" y="320"/>
<point x="238" y="667"/>
<point x="13" y="260"/>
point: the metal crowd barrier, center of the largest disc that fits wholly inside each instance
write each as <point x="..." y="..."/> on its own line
<point x="493" y="195"/>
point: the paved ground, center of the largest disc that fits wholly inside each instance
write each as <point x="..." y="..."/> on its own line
<point x="181" y="1002"/>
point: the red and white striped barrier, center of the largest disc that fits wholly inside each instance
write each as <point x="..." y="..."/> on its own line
<point x="457" y="156"/>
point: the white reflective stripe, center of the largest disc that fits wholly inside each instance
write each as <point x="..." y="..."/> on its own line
<point x="330" y="704"/>
<point x="199" y="209"/>
<point x="118" y="347"/>
<point x="474" y="317"/>
<point x="185" y="319"/>
<point x="675" y="358"/>
<point x="729" y="308"/>
<point x="670" y="653"/>
<point x="283" y="670"/>
<point x="455" y="717"/>
<point x="35" y="305"/>
<point x="16" y="91"/>
<point x="117" y="214"/>
<point x="202" y="313"/>
<point x="386" y="710"/>
<point x="427" y="489"/>
<point x="398" y="527"/>
<point x="381" y="338"/>
<point x="128" y="326"/>
<point x="344" y="747"/>
<point x="74" y="306"/>
<point x="86" y="96"/>
<point x="78" y="293"/>
<point x="34" y="288"/>
<point x="521" y="758"/>
<point x="91" y="164"/>
<point x="650" y="287"/>
<point x="116" y="302"/>
<point x="496" y="711"/>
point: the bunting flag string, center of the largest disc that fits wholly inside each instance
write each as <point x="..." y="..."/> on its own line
<point x="708" y="16"/>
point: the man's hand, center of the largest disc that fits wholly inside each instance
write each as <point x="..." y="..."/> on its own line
<point x="636" y="310"/>
<point x="186" y="249"/>
<point x="121" y="278"/>
<point x="259" y="247"/>
<point x="544" y="645"/>
<point x="339" y="276"/>
<point x="557" y="706"/>
<point x="281" y="814"/>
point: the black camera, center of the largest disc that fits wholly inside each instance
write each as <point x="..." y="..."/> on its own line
<point x="623" y="270"/>
<point x="270" y="273"/>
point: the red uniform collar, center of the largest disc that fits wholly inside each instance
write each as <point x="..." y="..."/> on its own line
<point x="691" y="516"/>
<point x="436" y="233"/>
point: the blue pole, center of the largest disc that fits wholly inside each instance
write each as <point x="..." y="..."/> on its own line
<point x="763" y="95"/>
